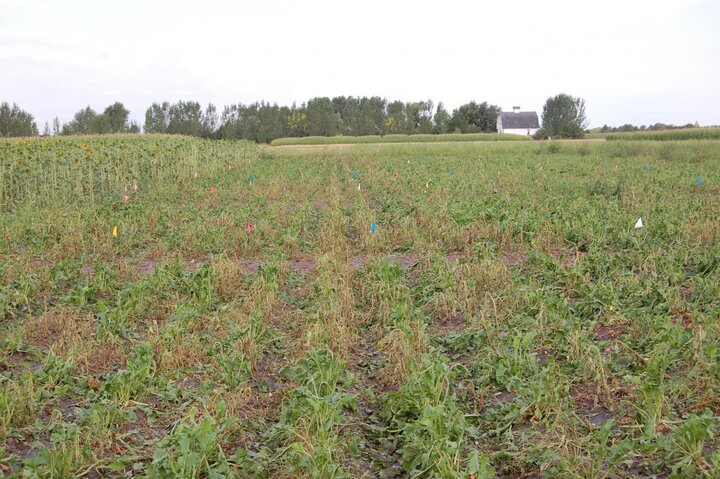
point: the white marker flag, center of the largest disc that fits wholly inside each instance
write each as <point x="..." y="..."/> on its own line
<point x="639" y="223"/>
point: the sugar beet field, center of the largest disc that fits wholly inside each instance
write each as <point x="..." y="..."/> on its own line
<point x="176" y="307"/>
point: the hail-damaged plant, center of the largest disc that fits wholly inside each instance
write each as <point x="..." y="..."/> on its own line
<point x="652" y="388"/>
<point x="19" y="401"/>
<point x="137" y="380"/>
<point x="434" y="436"/>
<point x="402" y="323"/>
<point x="684" y="446"/>
<point x="235" y="366"/>
<point x="68" y="455"/>
<point x="307" y="436"/>
<point x="194" y="449"/>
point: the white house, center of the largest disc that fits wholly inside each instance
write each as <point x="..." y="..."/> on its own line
<point x="518" y="122"/>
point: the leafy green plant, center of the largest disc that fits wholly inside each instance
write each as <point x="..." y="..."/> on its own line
<point x="431" y="428"/>
<point x="308" y="429"/>
<point x="193" y="450"/>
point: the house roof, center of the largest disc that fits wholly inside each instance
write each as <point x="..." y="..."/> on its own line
<point x="523" y="119"/>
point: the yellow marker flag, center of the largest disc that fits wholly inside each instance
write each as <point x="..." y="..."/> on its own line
<point x="115" y="231"/>
<point x="427" y="185"/>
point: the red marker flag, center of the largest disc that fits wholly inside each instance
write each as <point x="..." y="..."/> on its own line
<point x="212" y="189"/>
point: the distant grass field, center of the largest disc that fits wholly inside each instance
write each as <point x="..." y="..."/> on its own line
<point x="667" y="135"/>
<point x="596" y="136"/>
<point x="451" y="137"/>
<point x="174" y="307"/>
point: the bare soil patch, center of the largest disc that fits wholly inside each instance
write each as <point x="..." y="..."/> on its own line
<point x="449" y="325"/>
<point x="513" y="258"/>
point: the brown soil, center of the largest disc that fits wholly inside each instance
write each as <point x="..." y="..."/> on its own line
<point x="513" y="258"/>
<point x="300" y="265"/>
<point x="357" y="263"/>
<point x="453" y="258"/>
<point x="606" y="332"/>
<point x="590" y="405"/>
<point x="407" y="260"/>
<point x="145" y="266"/>
<point x="449" y="325"/>
<point x="88" y="271"/>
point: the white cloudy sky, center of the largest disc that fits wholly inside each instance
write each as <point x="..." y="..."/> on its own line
<point x="634" y="61"/>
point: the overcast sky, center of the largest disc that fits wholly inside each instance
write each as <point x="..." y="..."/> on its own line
<point x="633" y="61"/>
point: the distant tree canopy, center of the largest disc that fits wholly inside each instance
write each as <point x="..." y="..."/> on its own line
<point x="474" y="118"/>
<point x="323" y="116"/>
<point x="352" y="116"/>
<point x="113" y="120"/>
<point x="182" y="118"/>
<point x="563" y="116"/>
<point x="16" y="122"/>
<point x="657" y="126"/>
<point x="441" y="120"/>
<point x="263" y="122"/>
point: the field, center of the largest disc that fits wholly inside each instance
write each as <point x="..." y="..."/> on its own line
<point x="351" y="140"/>
<point x="666" y="135"/>
<point x="175" y="307"/>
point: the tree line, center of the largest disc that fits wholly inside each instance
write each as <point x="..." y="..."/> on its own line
<point x="263" y="121"/>
<point x="656" y="127"/>
<point x="563" y="116"/>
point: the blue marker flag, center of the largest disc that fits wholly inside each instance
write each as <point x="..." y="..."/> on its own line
<point x="373" y="228"/>
<point x="698" y="180"/>
<point x="646" y="168"/>
<point x="353" y="175"/>
<point x="252" y="177"/>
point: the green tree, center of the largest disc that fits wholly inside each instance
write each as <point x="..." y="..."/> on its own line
<point x="473" y="118"/>
<point x="297" y="121"/>
<point x="441" y="119"/>
<point x="240" y="122"/>
<point x="157" y="117"/>
<point x="84" y="122"/>
<point x="185" y="118"/>
<point x="563" y="116"/>
<point x="273" y="122"/>
<point x="420" y="116"/>
<point x="362" y="116"/>
<point x="210" y="121"/>
<point x="56" y="126"/>
<point x="16" y="122"/>
<point x="321" y="116"/>
<point x="116" y="118"/>
<point x="396" y="120"/>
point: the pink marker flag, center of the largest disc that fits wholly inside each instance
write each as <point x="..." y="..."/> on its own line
<point x="126" y="198"/>
<point x="248" y="228"/>
<point x="212" y="189"/>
